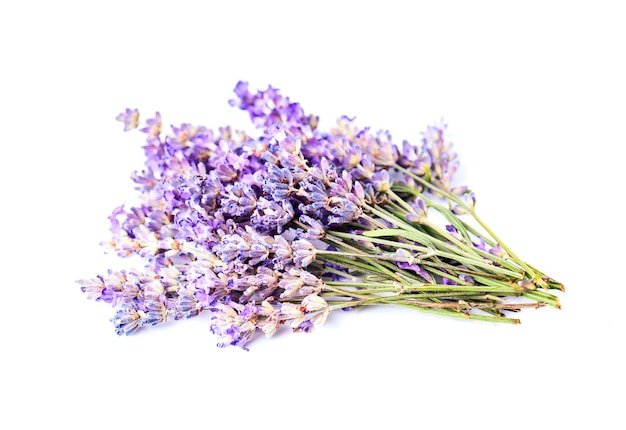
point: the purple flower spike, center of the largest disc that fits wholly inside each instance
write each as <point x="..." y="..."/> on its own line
<point x="130" y="118"/>
<point x="153" y="126"/>
<point x="92" y="287"/>
<point x="315" y="230"/>
<point x="304" y="252"/>
<point x="126" y="321"/>
<point x="233" y="323"/>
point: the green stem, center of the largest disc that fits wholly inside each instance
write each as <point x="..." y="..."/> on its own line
<point x="426" y="222"/>
<point x="539" y="296"/>
<point x="448" y="313"/>
<point x="421" y="237"/>
<point x="429" y="288"/>
<point x="436" y="263"/>
<point x="371" y="268"/>
<point x="451" y="197"/>
<point x="458" y="257"/>
<point x="400" y="201"/>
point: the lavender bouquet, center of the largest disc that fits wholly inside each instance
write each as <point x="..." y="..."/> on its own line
<point x="286" y="226"/>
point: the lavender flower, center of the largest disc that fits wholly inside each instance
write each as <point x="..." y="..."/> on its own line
<point x="283" y="227"/>
<point x="130" y="118"/>
<point x="233" y="323"/>
<point x="304" y="252"/>
<point x="153" y="126"/>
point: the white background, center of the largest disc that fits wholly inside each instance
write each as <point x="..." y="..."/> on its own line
<point x="534" y="94"/>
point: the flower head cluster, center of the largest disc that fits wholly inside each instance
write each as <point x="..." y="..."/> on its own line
<point x="287" y="225"/>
